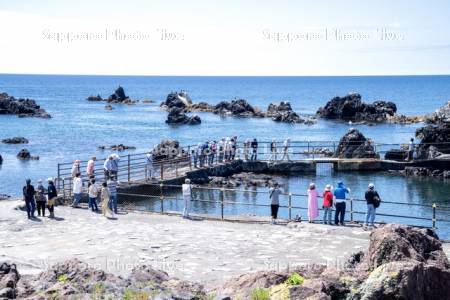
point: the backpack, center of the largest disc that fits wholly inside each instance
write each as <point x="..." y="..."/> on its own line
<point x="376" y="201"/>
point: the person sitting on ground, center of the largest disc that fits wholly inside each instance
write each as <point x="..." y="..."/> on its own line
<point x="41" y="199"/>
<point x="93" y="194"/>
<point x="373" y="201"/>
<point x="105" y="201"/>
<point x="187" y="197"/>
<point x="28" y="196"/>
<point x="274" y="195"/>
<point x="340" y="203"/>
<point x="327" y="204"/>
<point x="77" y="190"/>
<point x="51" y="196"/>
<point x="313" y="207"/>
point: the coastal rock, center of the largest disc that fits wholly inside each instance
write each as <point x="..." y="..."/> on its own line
<point x="282" y="112"/>
<point x="119" y="147"/>
<point x="238" y="107"/>
<point x="108" y="107"/>
<point x="355" y="145"/>
<point x="352" y="108"/>
<point x="202" y="106"/>
<point x="177" y="99"/>
<point x="118" y="97"/>
<point x="177" y="116"/>
<point x="246" y="179"/>
<point x="21" y="107"/>
<point x="396" y="154"/>
<point x="440" y="116"/>
<point x="9" y="277"/>
<point x="15" y="140"/>
<point x="147" y="101"/>
<point x="426" y="172"/>
<point x="168" y="149"/>
<point x="95" y="98"/>
<point x="1" y="159"/>
<point x="434" y="138"/>
<point x="24" y="154"/>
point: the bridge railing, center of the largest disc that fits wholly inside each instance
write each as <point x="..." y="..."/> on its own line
<point x="225" y="203"/>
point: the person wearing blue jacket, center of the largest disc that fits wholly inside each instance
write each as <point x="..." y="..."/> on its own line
<point x="340" y="203"/>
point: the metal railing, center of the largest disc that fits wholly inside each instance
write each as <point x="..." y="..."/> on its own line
<point x="223" y="203"/>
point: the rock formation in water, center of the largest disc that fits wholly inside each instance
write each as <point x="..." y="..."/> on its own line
<point x="239" y="107"/>
<point x="21" y="107"/>
<point x="352" y="108"/>
<point x="95" y="98"/>
<point x="24" y="154"/>
<point x="118" y="97"/>
<point x="168" y="149"/>
<point x="177" y="116"/>
<point x="119" y="147"/>
<point x="177" y="99"/>
<point x="283" y="112"/>
<point x="15" y="140"/>
<point x="355" y="145"/>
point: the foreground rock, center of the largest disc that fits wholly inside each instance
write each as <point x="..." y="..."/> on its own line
<point x="15" y="140"/>
<point x="426" y="172"/>
<point x="24" y="154"/>
<point x="119" y="147"/>
<point x="355" y="145"/>
<point x="168" y="149"/>
<point x="177" y="116"/>
<point x="21" y="107"/>
<point x="352" y="108"/>
<point x="177" y="99"/>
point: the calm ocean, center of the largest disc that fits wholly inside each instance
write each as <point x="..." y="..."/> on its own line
<point x="78" y="127"/>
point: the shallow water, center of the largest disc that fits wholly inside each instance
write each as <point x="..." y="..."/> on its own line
<point x="78" y="127"/>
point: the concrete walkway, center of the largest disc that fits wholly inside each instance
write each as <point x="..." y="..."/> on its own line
<point x="205" y="251"/>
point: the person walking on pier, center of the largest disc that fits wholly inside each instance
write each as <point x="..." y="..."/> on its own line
<point x="274" y="195"/>
<point x="198" y="155"/>
<point x="105" y="201"/>
<point x="410" y="150"/>
<point x="327" y="204"/>
<point x="90" y="167"/>
<point x="40" y="198"/>
<point x="221" y="149"/>
<point x="93" y="193"/>
<point x="149" y="165"/>
<point x="246" y="148"/>
<point x="273" y="150"/>
<point x="187" y="197"/>
<point x="340" y="203"/>
<point x="112" y="187"/>
<point x="286" y="145"/>
<point x="313" y="206"/>
<point x="28" y="195"/>
<point x="254" y="146"/>
<point x="51" y="197"/>
<point x="373" y="201"/>
<point x="77" y="190"/>
<point x="75" y="168"/>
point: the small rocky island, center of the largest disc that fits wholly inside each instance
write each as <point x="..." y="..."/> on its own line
<point x="355" y="145"/>
<point x="21" y="107"/>
<point x="118" y="97"/>
<point x="15" y="140"/>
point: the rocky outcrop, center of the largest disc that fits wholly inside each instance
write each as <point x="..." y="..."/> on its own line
<point x="119" y="147"/>
<point x="283" y="112"/>
<point x="245" y="179"/>
<point x="118" y="97"/>
<point x="177" y="99"/>
<point x="24" y="154"/>
<point x="238" y="107"/>
<point x="396" y="154"/>
<point x="426" y="172"/>
<point x="435" y="140"/>
<point x="168" y="149"/>
<point x="15" y="140"/>
<point x="352" y="108"/>
<point x="201" y="106"/>
<point x="95" y="98"/>
<point x="177" y="116"/>
<point x="355" y="145"/>
<point x="21" y="107"/>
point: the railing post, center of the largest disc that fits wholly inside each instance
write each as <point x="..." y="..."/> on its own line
<point x="308" y="149"/>
<point x="190" y="158"/>
<point x="162" y="171"/>
<point x="64" y="188"/>
<point x="351" y="210"/>
<point x="433" y="221"/>
<point x="290" y="206"/>
<point x="222" y="201"/>
<point x="162" y="197"/>
<point x="129" y="169"/>
<point x="176" y="169"/>
<point x="59" y="176"/>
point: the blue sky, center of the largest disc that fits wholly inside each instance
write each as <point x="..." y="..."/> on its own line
<point x="225" y="38"/>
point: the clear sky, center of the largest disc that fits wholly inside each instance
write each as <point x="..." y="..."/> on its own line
<point x="229" y="37"/>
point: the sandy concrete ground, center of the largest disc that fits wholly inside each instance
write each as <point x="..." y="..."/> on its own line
<point x="205" y="251"/>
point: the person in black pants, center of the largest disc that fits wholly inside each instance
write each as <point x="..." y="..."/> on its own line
<point x="40" y="198"/>
<point x="51" y="194"/>
<point x="254" y="146"/>
<point x="28" y="196"/>
<point x="340" y="199"/>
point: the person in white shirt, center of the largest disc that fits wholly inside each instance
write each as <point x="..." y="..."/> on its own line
<point x="150" y="171"/>
<point x="286" y="145"/>
<point x="77" y="190"/>
<point x="75" y="168"/>
<point x="410" y="150"/>
<point x="93" y="193"/>
<point x="187" y="195"/>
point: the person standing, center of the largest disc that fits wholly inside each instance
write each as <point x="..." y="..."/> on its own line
<point x="373" y="201"/>
<point x="313" y="207"/>
<point x="93" y="194"/>
<point x="274" y="195"/>
<point x="77" y="190"/>
<point x="115" y="166"/>
<point x="90" y="167"/>
<point x="149" y="166"/>
<point x="107" y="167"/>
<point x="105" y="201"/>
<point x="51" y="196"/>
<point x="75" y="168"/>
<point x="273" y="150"/>
<point x="286" y="145"/>
<point x="112" y="187"/>
<point x="246" y="146"/>
<point x="40" y="198"/>
<point x="254" y="146"/>
<point x="327" y="204"/>
<point x="200" y="154"/>
<point x="28" y="195"/>
<point x="213" y="149"/>
<point x="221" y="147"/>
<point x="410" y="150"/>
<point x="187" y="197"/>
<point x="340" y="203"/>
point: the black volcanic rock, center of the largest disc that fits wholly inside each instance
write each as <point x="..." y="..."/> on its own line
<point x="283" y="112"/>
<point x="239" y="107"/>
<point x="352" y="108"/>
<point x="177" y="99"/>
<point x="355" y="145"/>
<point x="95" y="98"/>
<point x="15" y="140"/>
<point x="24" y="154"/>
<point x="21" y="107"/>
<point x="177" y="116"/>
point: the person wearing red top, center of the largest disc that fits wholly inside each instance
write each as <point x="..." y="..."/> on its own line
<point x="327" y="204"/>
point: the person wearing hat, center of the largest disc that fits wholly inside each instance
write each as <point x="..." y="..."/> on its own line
<point x="372" y="198"/>
<point x="90" y="168"/>
<point x="40" y="198"/>
<point x="327" y="204"/>
<point x="51" y="196"/>
<point x="313" y="206"/>
<point x="28" y="196"/>
<point x="75" y="168"/>
<point x="149" y="165"/>
<point x="187" y="197"/>
<point x="340" y="203"/>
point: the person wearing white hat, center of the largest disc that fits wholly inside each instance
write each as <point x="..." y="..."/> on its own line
<point x="373" y="201"/>
<point x="187" y="197"/>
